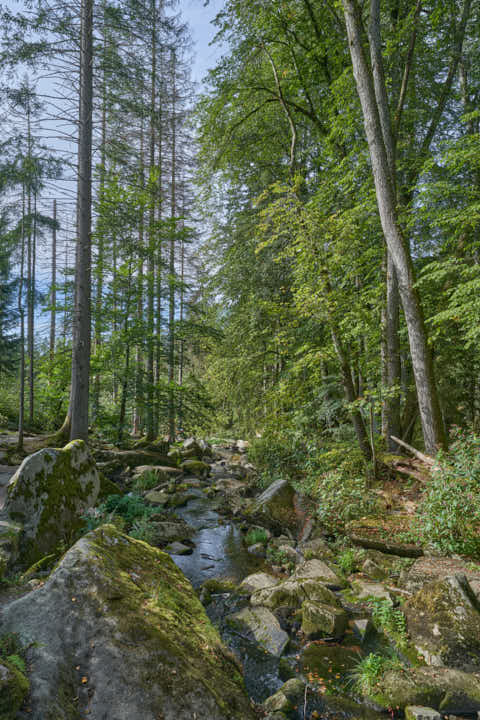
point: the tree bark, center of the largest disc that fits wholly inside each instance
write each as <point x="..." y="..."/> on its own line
<point x="422" y="362"/>
<point x="82" y="308"/>
<point x="53" y="290"/>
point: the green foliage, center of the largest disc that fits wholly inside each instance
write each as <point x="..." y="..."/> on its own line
<point x="130" y="507"/>
<point x="342" y="497"/>
<point x="17" y="662"/>
<point x="391" y="620"/>
<point x="256" y="535"/>
<point x="142" y="529"/>
<point x="146" y="481"/>
<point x="450" y="507"/>
<point x="11" y="650"/>
<point x="275" y="556"/>
<point x="369" y="671"/>
<point x="347" y="561"/>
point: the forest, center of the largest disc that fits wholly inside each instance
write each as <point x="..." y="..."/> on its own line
<point x="278" y="266"/>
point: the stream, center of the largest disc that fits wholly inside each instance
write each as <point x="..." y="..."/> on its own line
<point x="220" y="553"/>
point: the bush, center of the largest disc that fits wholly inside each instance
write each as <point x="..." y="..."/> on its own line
<point x="147" y="481"/>
<point x="450" y="508"/>
<point x="347" y="561"/>
<point x="256" y="535"/>
<point x="342" y="498"/>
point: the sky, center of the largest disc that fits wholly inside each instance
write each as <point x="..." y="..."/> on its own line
<point x="199" y="18"/>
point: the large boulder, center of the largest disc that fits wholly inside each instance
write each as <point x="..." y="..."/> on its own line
<point x="118" y="632"/>
<point x="276" y="506"/>
<point x="428" y="569"/>
<point x="445" y="689"/>
<point x="261" y="626"/>
<point x="444" y="623"/>
<point x="48" y="495"/>
<point x="320" y="620"/>
<point x="293" y="593"/>
<point x="320" y="571"/>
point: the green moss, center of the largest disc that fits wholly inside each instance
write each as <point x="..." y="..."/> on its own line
<point x="172" y="616"/>
<point x="14" y="688"/>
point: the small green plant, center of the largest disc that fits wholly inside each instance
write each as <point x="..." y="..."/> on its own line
<point x="130" y="507"/>
<point x="347" y="561"/>
<point x="146" y="481"/>
<point x="450" y="508"/>
<point x="256" y="535"/>
<point x="369" y="671"/>
<point x="17" y="662"/>
<point x="275" y="556"/>
<point x="342" y="498"/>
<point x="391" y="620"/>
<point x="142" y="529"/>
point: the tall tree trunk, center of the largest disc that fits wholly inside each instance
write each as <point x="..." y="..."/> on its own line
<point x="151" y="236"/>
<point x="139" y="397"/>
<point x="373" y="111"/>
<point x="82" y="309"/>
<point x="21" y="312"/>
<point x="30" y="304"/>
<point x="171" y="308"/>
<point x="53" y="290"/>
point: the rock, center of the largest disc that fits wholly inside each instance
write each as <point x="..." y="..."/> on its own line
<point x="444" y="689"/>
<point x="263" y="626"/>
<point x="133" y="458"/>
<point x="258" y="549"/>
<point x="317" y="549"/>
<point x="161" y="473"/>
<point x="319" y="620"/>
<point x="195" y="467"/>
<point x="276" y="506"/>
<point x="444" y="624"/>
<point x="242" y="445"/>
<point x="205" y="447"/>
<point x="118" y="632"/>
<point x="257" y="581"/>
<point x="191" y="449"/>
<point x="293" y="593"/>
<point x="156" y="497"/>
<point x="416" y="712"/>
<point x="169" y="531"/>
<point x="107" y="488"/>
<point x="178" y="499"/>
<point x="277" y="703"/>
<point x="287" y="698"/>
<point x="373" y="570"/>
<point x="428" y="569"/>
<point x="364" y="590"/>
<point x="281" y="540"/>
<point x="291" y="554"/>
<point x="14" y="688"/>
<point x="318" y="570"/>
<point x="363" y="628"/>
<point x="178" y="548"/>
<point x="48" y="495"/>
<point x="174" y="456"/>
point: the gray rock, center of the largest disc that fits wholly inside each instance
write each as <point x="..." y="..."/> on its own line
<point x="156" y="497"/>
<point x="444" y="624"/>
<point x="365" y="590"/>
<point x="363" y="628"/>
<point x="195" y="467"/>
<point x="417" y="712"/>
<point x="118" y="632"/>
<point x="48" y="495"/>
<point x="319" y="620"/>
<point x="178" y="548"/>
<point x="257" y="581"/>
<point x="263" y="626"/>
<point x="292" y="593"/>
<point x="318" y="570"/>
<point x="258" y="549"/>
<point x="276" y="506"/>
<point x="317" y="549"/>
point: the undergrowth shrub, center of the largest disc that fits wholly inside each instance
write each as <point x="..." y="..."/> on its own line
<point x="450" y="508"/>
<point x="342" y="498"/>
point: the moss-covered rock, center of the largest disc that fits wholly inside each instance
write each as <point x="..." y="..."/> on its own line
<point x="275" y="507"/>
<point x="444" y="689"/>
<point x="13" y="690"/>
<point x="118" y="632"/>
<point x="261" y="626"/>
<point x="293" y="593"/>
<point x="195" y="467"/>
<point x="320" y="620"/>
<point x="48" y="495"/>
<point x="444" y="623"/>
<point x="107" y="488"/>
<point x="320" y="571"/>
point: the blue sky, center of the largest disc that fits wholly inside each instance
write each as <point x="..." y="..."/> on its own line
<point x="199" y="18"/>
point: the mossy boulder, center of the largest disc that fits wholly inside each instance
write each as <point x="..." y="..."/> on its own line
<point x="293" y="593"/>
<point x="320" y="620"/>
<point x="48" y="495"/>
<point x="275" y="507"/>
<point x="117" y="631"/>
<point x="385" y="534"/>
<point x="159" y="472"/>
<point x="320" y="571"/>
<point x="444" y="623"/>
<point x="430" y="569"/>
<point x="107" y="488"/>
<point x="260" y="625"/>
<point x="444" y="689"/>
<point x="14" y="688"/>
<point x="195" y="467"/>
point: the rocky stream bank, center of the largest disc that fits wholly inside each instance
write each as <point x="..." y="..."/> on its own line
<point x="238" y="606"/>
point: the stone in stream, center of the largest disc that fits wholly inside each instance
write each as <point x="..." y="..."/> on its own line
<point x="287" y="698"/>
<point x="48" y="495"/>
<point x="257" y="581"/>
<point x="178" y="548"/>
<point x="441" y="688"/>
<point x="320" y="620"/>
<point x="316" y="549"/>
<point x="292" y="593"/>
<point x="257" y="549"/>
<point x="261" y="625"/>
<point x="416" y="712"/>
<point x="157" y="497"/>
<point x="320" y="571"/>
<point x="118" y="632"/>
<point x="444" y="623"/>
